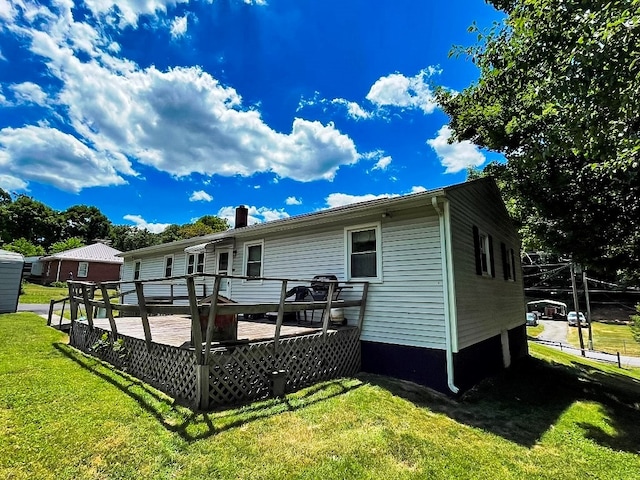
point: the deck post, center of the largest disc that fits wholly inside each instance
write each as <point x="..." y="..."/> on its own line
<point x="88" y="309"/>
<point x="52" y="302"/>
<point x="109" y="310"/>
<point x="202" y="386"/>
<point x="196" y="330"/>
<point x="73" y="304"/>
<point x="211" y="318"/>
<point x="143" y="313"/>
<point x="327" y="310"/>
<point x="280" y="318"/>
<point x="363" y="304"/>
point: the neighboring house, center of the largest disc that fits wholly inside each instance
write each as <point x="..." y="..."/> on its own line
<point x="93" y="263"/>
<point x="445" y="304"/>
<point x="11" y="264"/>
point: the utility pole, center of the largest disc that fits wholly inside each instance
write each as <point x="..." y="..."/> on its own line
<point x="576" y="305"/>
<point x="586" y="297"/>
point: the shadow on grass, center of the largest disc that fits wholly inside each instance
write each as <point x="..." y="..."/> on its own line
<point x="524" y="402"/>
<point x="193" y="425"/>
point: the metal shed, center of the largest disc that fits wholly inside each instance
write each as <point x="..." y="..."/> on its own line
<point x="11" y="264"/>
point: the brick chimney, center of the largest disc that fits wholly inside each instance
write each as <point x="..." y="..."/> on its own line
<point x="242" y="216"/>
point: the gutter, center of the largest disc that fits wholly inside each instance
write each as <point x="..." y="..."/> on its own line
<point x="447" y="283"/>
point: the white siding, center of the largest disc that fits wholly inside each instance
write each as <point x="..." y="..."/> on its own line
<point x="406" y="308"/>
<point x="485" y="305"/>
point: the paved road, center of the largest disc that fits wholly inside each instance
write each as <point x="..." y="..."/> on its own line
<point x="554" y="331"/>
<point x="40" y="309"/>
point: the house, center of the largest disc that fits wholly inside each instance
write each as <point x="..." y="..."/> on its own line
<point x="445" y="303"/>
<point x="95" y="263"/>
<point x="10" y="279"/>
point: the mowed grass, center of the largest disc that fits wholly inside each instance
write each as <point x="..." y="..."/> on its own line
<point x="64" y="415"/>
<point x="608" y="337"/>
<point x="535" y="331"/>
<point x="34" y="293"/>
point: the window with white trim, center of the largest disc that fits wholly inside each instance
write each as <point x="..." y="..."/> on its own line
<point x="363" y="252"/>
<point x="483" y="246"/>
<point x="253" y="259"/>
<point x="168" y="266"/>
<point x="83" y="269"/>
<point x="136" y="269"/>
<point x="195" y="263"/>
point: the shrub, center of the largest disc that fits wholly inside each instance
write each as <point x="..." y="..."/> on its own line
<point x="635" y="324"/>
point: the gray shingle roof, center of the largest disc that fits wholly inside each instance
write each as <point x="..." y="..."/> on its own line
<point x="98" y="252"/>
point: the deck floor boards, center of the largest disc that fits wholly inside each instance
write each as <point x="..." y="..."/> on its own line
<point x="175" y="330"/>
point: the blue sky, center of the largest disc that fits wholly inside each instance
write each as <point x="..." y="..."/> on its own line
<point x="162" y="111"/>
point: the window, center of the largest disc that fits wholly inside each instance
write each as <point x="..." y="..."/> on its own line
<point x="508" y="262"/>
<point x="483" y="245"/>
<point x="364" y="259"/>
<point x="168" y="265"/>
<point x="83" y="269"/>
<point x="253" y="262"/>
<point x="136" y="269"/>
<point x="195" y="263"/>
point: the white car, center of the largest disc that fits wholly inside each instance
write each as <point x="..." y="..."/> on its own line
<point x="532" y="319"/>
<point x="572" y="319"/>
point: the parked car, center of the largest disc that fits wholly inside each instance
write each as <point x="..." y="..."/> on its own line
<point x="572" y="319"/>
<point x="532" y="319"/>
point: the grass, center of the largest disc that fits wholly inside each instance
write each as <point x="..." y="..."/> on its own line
<point x="535" y="331"/>
<point x="610" y="338"/>
<point x="34" y="293"/>
<point x="64" y="415"/>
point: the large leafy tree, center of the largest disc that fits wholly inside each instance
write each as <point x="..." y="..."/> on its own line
<point x="64" y="245"/>
<point x="126" y="238"/>
<point x="25" y="247"/>
<point x="32" y="220"/>
<point x="85" y="222"/>
<point x="559" y="96"/>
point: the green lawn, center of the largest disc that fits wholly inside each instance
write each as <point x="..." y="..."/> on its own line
<point x="34" y="293"/>
<point x="64" y="415"/>
<point x="610" y="338"/>
<point x="535" y="331"/>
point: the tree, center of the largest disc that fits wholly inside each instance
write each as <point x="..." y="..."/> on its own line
<point x="87" y="223"/>
<point x="24" y="247"/>
<point x="33" y="220"/>
<point x="217" y="224"/>
<point x="559" y="96"/>
<point x="64" y="245"/>
<point x="126" y="238"/>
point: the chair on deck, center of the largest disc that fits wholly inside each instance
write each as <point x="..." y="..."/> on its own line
<point x="319" y="291"/>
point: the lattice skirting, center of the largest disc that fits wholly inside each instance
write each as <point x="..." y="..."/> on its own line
<point x="170" y="369"/>
<point x="245" y="372"/>
<point x="236" y="374"/>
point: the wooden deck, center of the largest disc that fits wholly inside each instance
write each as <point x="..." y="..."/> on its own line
<point x="175" y="330"/>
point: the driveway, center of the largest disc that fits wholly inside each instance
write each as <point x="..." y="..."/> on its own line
<point x="38" y="308"/>
<point x="554" y="331"/>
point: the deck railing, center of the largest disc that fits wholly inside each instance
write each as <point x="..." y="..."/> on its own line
<point x="200" y="307"/>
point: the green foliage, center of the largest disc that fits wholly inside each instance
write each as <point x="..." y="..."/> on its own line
<point x="126" y="238"/>
<point x="559" y="96"/>
<point x="85" y="222"/>
<point x="24" y="247"/>
<point x="635" y="325"/>
<point x="64" y="245"/>
<point x="34" y="293"/>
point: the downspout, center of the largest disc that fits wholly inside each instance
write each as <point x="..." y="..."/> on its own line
<point x="446" y="277"/>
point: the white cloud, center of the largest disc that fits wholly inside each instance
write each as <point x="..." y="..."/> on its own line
<point x="455" y="156"/>
<point x="46" y="155"/>
<point x="256" y="215"/>
<point x="383" y="163"/>
<point x="127" y="12"/>
<point x="179" y="27"/>
<point x="354" y="110"/>
<point x="141" y="223"/>
<point x="180" y="121"/>
<point x="29" y="92"/>
<point x="10" y="183"/>
<point x="200" y="196"/>
<point x="293" y="201"/>
<point x="341" y="199"/>
<point x="396" y="90"/>
<point x="418" y="189"/>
